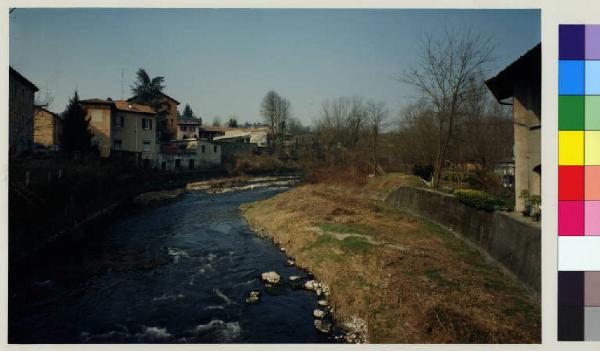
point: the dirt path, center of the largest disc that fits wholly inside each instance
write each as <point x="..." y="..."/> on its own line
<point x="412" y="281"/>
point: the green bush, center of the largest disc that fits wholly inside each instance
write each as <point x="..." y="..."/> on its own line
<point x="478" y="199"/>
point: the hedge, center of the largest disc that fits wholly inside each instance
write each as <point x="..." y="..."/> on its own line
<point x="478" y="199"/>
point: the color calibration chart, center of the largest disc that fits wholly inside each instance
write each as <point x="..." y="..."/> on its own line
<point x="579" y="183"/>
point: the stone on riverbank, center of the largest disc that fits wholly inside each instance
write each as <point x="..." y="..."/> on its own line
<point x="270" y="277"/>
<point x="318" y="313"/>
<point x="310" y="285"/>
<point x="322" y="326"/>
<point x="322" y="303"/>
<point x="293" y="278"/>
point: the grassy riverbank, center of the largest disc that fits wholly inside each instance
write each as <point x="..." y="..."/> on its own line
<point x="412" y="281"/>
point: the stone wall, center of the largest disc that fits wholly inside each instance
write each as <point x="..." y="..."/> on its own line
<point x="513" y="242"/>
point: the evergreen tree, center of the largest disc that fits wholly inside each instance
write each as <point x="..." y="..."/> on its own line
<point x="232" y="123"/>
<point x="76" y="134"/>
<point x="187" y="112"/>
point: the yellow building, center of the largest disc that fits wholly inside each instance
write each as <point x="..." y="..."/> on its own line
<point x="121" y="126"/>
<point x="47" y="127"/>
<point x="168" y="109"/>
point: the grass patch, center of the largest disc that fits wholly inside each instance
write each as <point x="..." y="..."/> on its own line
<point x="356" y="244"/>
<point x="436" y="276"/>
<point x="321" y="241"/>
<point x="346" y="228"/>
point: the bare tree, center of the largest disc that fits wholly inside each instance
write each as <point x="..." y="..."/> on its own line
<point x="276" y="112"/>
<point x="448" y="65"/>
<point x="376" y="114"/>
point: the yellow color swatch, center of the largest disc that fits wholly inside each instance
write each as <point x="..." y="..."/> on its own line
<point x="570" y="148"/>
<point x="592" y="148"/>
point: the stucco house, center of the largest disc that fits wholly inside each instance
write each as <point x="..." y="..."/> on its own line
<point x="47" y="128"/>
<point x="519" y="85"/>
<point x="20" y="112"/>
<point x="123" y="126"/>
<point x="210" y="132"/>
<point x="188" y="129"/>
<point x="169" y="110"/>
<point x="188" y="154"/>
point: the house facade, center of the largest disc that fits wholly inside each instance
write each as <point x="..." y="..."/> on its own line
<point x="521" y="81"/>
<point x="20" y="112"/>
<point x="188" y="129"/>
<point x="47" y="128"/>
<point x="210" y="132"/>
<point x="188" y="155"/>
<point x="168" y="108"/>
<point x="122" y="126"/>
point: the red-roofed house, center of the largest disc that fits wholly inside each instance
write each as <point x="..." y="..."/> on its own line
<point x="123" y="126"/>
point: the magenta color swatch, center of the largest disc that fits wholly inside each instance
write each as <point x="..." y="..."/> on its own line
<point x="592" y="42"/>
<point x="571" y="221"/>
<point x="592" y="218"/>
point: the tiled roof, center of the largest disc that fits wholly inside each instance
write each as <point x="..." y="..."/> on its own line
<point x="121" y="105"/>
<point x="188" y="122"/>
<point x="40" y="108"/>
<point x="216" y="128"/>
<point x="529" y="64"/>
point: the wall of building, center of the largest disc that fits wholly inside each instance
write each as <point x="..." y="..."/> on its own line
<point x="20" y="115"/>
<point x="46" y="128"/>
<point x="132" y="135"/>
<point x="512" y="242"/>
<point x="191" y="131"/>
<point x="204" y="154"/>
<point x="100" y="124"/>
<point x="527" y="149"/>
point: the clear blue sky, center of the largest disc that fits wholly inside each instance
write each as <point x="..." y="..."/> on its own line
<point x="222" y="62"/>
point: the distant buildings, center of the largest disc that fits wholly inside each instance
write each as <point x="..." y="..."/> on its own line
<point x="123" y="130"/>
<point x="521" y="80"/>
<point x="20" y="112"/>
<point x="122" y="126"/>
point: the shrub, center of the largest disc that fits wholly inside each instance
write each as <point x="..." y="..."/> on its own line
<point x="478" y="199"/>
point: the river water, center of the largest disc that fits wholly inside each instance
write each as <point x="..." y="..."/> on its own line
<point x="176" y="273"/>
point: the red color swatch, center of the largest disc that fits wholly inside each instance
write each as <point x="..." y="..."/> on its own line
<point x="571" y="183"/>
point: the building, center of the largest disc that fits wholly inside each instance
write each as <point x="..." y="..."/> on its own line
<point x="122" y="126"/>
<point x="519" y="85"/>
<point x="189" y="154"/>
<point x="210" y="132"/>
<point x="169" y="110"/>
<point x="47" y="128"/>
<point x="188" y="129"/>
<point x="20" y="112"/>
<point x="234" y="136"/>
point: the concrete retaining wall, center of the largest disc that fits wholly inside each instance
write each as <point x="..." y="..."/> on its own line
<point x="513" y="242"/>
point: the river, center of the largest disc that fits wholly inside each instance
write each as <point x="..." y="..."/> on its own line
<point x="175" y="273"/>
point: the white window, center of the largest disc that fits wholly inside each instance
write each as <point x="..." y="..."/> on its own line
<point x="116" y="144"/>
<point x="146" y="146"/>
<point x="146" y="124"/>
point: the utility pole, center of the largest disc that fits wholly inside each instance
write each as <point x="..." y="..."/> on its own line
<point x="122" y="82"/>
